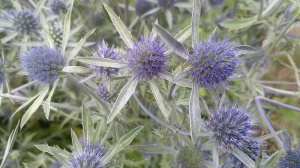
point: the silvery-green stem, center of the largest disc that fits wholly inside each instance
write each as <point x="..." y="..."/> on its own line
<point x="279" y="104"/>
<point x="279" y="91"/>
<point x="272" y="7"/>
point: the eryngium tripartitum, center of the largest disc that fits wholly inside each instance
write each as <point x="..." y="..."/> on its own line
<point x="146" y="59"/>
<point x="187" y="158"/>
<point x="105" y="52"/>
<point x="57" y="34"/>
<point x="250" y="147"/>
<point x="215" y="2"/>
<point x="230" y="126"/>
<point x="291" y="159"/>
<point x="42" y="64"/>
<point x="212" y="61"/>
<point x="89" y="158"/>
<point x="1" y="72"/>
<point x="103" y="92"/>
<point x="142" y="6"/>
<point x="57" y="6"/>
<point x="25" y="22"/>
<point x="166" y="4"/>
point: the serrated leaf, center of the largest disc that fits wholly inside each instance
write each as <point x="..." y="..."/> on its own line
<point x="48" y="100"/>
<point x="195" y="113"/>
<point x="87" y="124"/>
<point x="156" y="148"/>
<point x="171" y="42"/>
<point x="119" y="25"/>
<point x="67" y="27"/>
<point x="104" y="62"/>
<point x="123" y="97"/>
<point x="47" y="149"/>
<point x="120" y="144"/>
<point x="238" y="23"/>
<point x="76" y="69"/>
<point x="158" y="98"/>
<point x="76" y="144"/>
<point x="79" y="45"/>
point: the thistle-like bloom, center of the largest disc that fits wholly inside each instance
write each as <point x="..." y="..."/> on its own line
<point x="42" y="64"/>
<point x="103" y="92"/>
<point x="166" y="4"/>
<point x="105" y="52"/>
<point x="249" y="147"/>
<point x="89" y="158"/>
<point x="212" y="62"/>
<point x="187" y="158"/>
<point x="1" y="73"/>
<point x="57" y="6"/>
<point x="146" y="59"/>
<point x="57" y="34"/>
<point x="25" y="22"/>
<point x="142" y="6"/>
<point x="291" y="159"/>
<point x="215" y="2"/>
<point x="230" y="126"/>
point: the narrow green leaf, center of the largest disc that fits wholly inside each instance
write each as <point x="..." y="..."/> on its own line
<point x="39" y="7"/>
<point x="48" y="100"/>
<point x="216" y="156"/>
<point x="184" y="34"/>
<point x="5" y="23"/>
<point x="79" y="45"/>
<point x="47" y="149"/>
<point x="243" y="158"/>
<point x="244" y="49"/>
<point x="76" y="144"/>
<point x="36" y="104"/>
<point x="76" y="69"/>
<point x="101" y="127"/>
<point x="87" y="124"/>
<point x="272" y="160"/>
<point x="9" y="37"/>
<point x="182" y="74"/>
<point x="119" y="25"/>
<point x="16" y="5"/>
<point x="25" y="104"/>
<point x="104" y="62"/>
<point x="195" y="113"/>
<point x="195" y="21"/>
<point x="60" y="157"/>
<point x="67" y="27"/>
<point x="265" y="137"/>
<point x="170" y="77"/>
<point x="238" y="23"/>
<point x="287" y="142"/>
<point x="258" y="158"/>
<point x="123" y="97"/>
<point x="171" y="42"/>
<point x="159" y="99"/>
<point x="156" y="148"/>
<point x="48" y="39"/>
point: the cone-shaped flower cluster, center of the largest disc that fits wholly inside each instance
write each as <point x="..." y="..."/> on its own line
<point x="42" y="64"/>
<point x="166" y="4"/>
<point x="291" y="159"/>
<point x="212" y="61"/>
<point x="146" y="59"/>
<point x="103" y="92"/>
<point x="57" y="34"/>
<point x="25" y="22"/>
<point x="90" y="157"/>
<point x="142" y="6"/>
<point x="105" y="52"/>
<point x="187" y="158"/>
<point x="1" y="72"/>
<point x="57" y="6"/>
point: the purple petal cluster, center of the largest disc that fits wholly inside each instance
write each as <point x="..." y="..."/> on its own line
<point x="215" y="2"/>
<point x="212" y="61"/>
<point x="1" y="72"/>
<point x="57" y="6"/>
<point x="146" y="59"/>
<point x="103" y="92"/>
<point x="90" y="157"/>
<point x="291" y="159"/>
<point x="105" y="52"/>
<point x="142" y="6"/>
<point x="42" y="64"/>
<point x="25" y="22"/>
<point x="166" y="4"/>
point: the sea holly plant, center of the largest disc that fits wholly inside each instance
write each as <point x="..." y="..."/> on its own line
<point x="91" y="152"/>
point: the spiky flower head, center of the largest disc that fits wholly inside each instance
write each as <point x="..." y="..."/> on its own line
<point x="230" y="125"/>
<point x="212" y="61"/>
<point x="103" y="92"/>
<point x="187" y="158"/>
<point x="291" y="159"/>
<point x="42" y="64"/>
<point x="146" y="58"/>
<point x="166" y="4"/>
<point x="215" y="2"/>
<point x="250" y="147"/>
<point x="142" y="6"/>
<point x="57" y="6"/>
<point x="1" y="72"/>
<point x="89" y="158"/>
<point x="105" y="52"/>
<point x="57" y="34"/>
<point x="25" y="22"/>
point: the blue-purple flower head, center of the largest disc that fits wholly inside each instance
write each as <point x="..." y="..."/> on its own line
<point x="230" y="126"/>
<point x="57" y="6"/>
<point x="42" y="64"/>
<point x="25" y="22"/>
<point x="105" y="52"/>
<point x="1" y="72"/>
<point x="142" y="6"/>
<point x="186" y="158"/>
<point x="146" y="58"/>
<point x="215" y="2"/>
<point x="166" y="4"/>
<point x="250" y="147"/>
<point x="212" y="61"/>
<point x="291" y="159"/>
<point x="89" y="158"/>
<point x="103" y="92"/>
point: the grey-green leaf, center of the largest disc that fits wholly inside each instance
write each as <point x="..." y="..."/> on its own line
<point x="87" y="124"/>
<point x="48" y="100"/>
<point x="238" y="23"/>
<point x="104" y="62"/>
<point x="76" y="144"/>
<point x="67" y="28"/>
<point x="76" y="69"/>
<point x="195" y="113"/>
<point x="243" y="158"/>
<point x="159" y="99"/>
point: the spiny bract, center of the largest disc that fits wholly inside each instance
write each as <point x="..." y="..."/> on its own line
<point x="57" y="6"/>
<point x="212" y="61"/>
<point x="25" y="22"/>
<point x="42" y="64"/>
<point x="146" y="59"/>
<point x="142" y="6"/>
